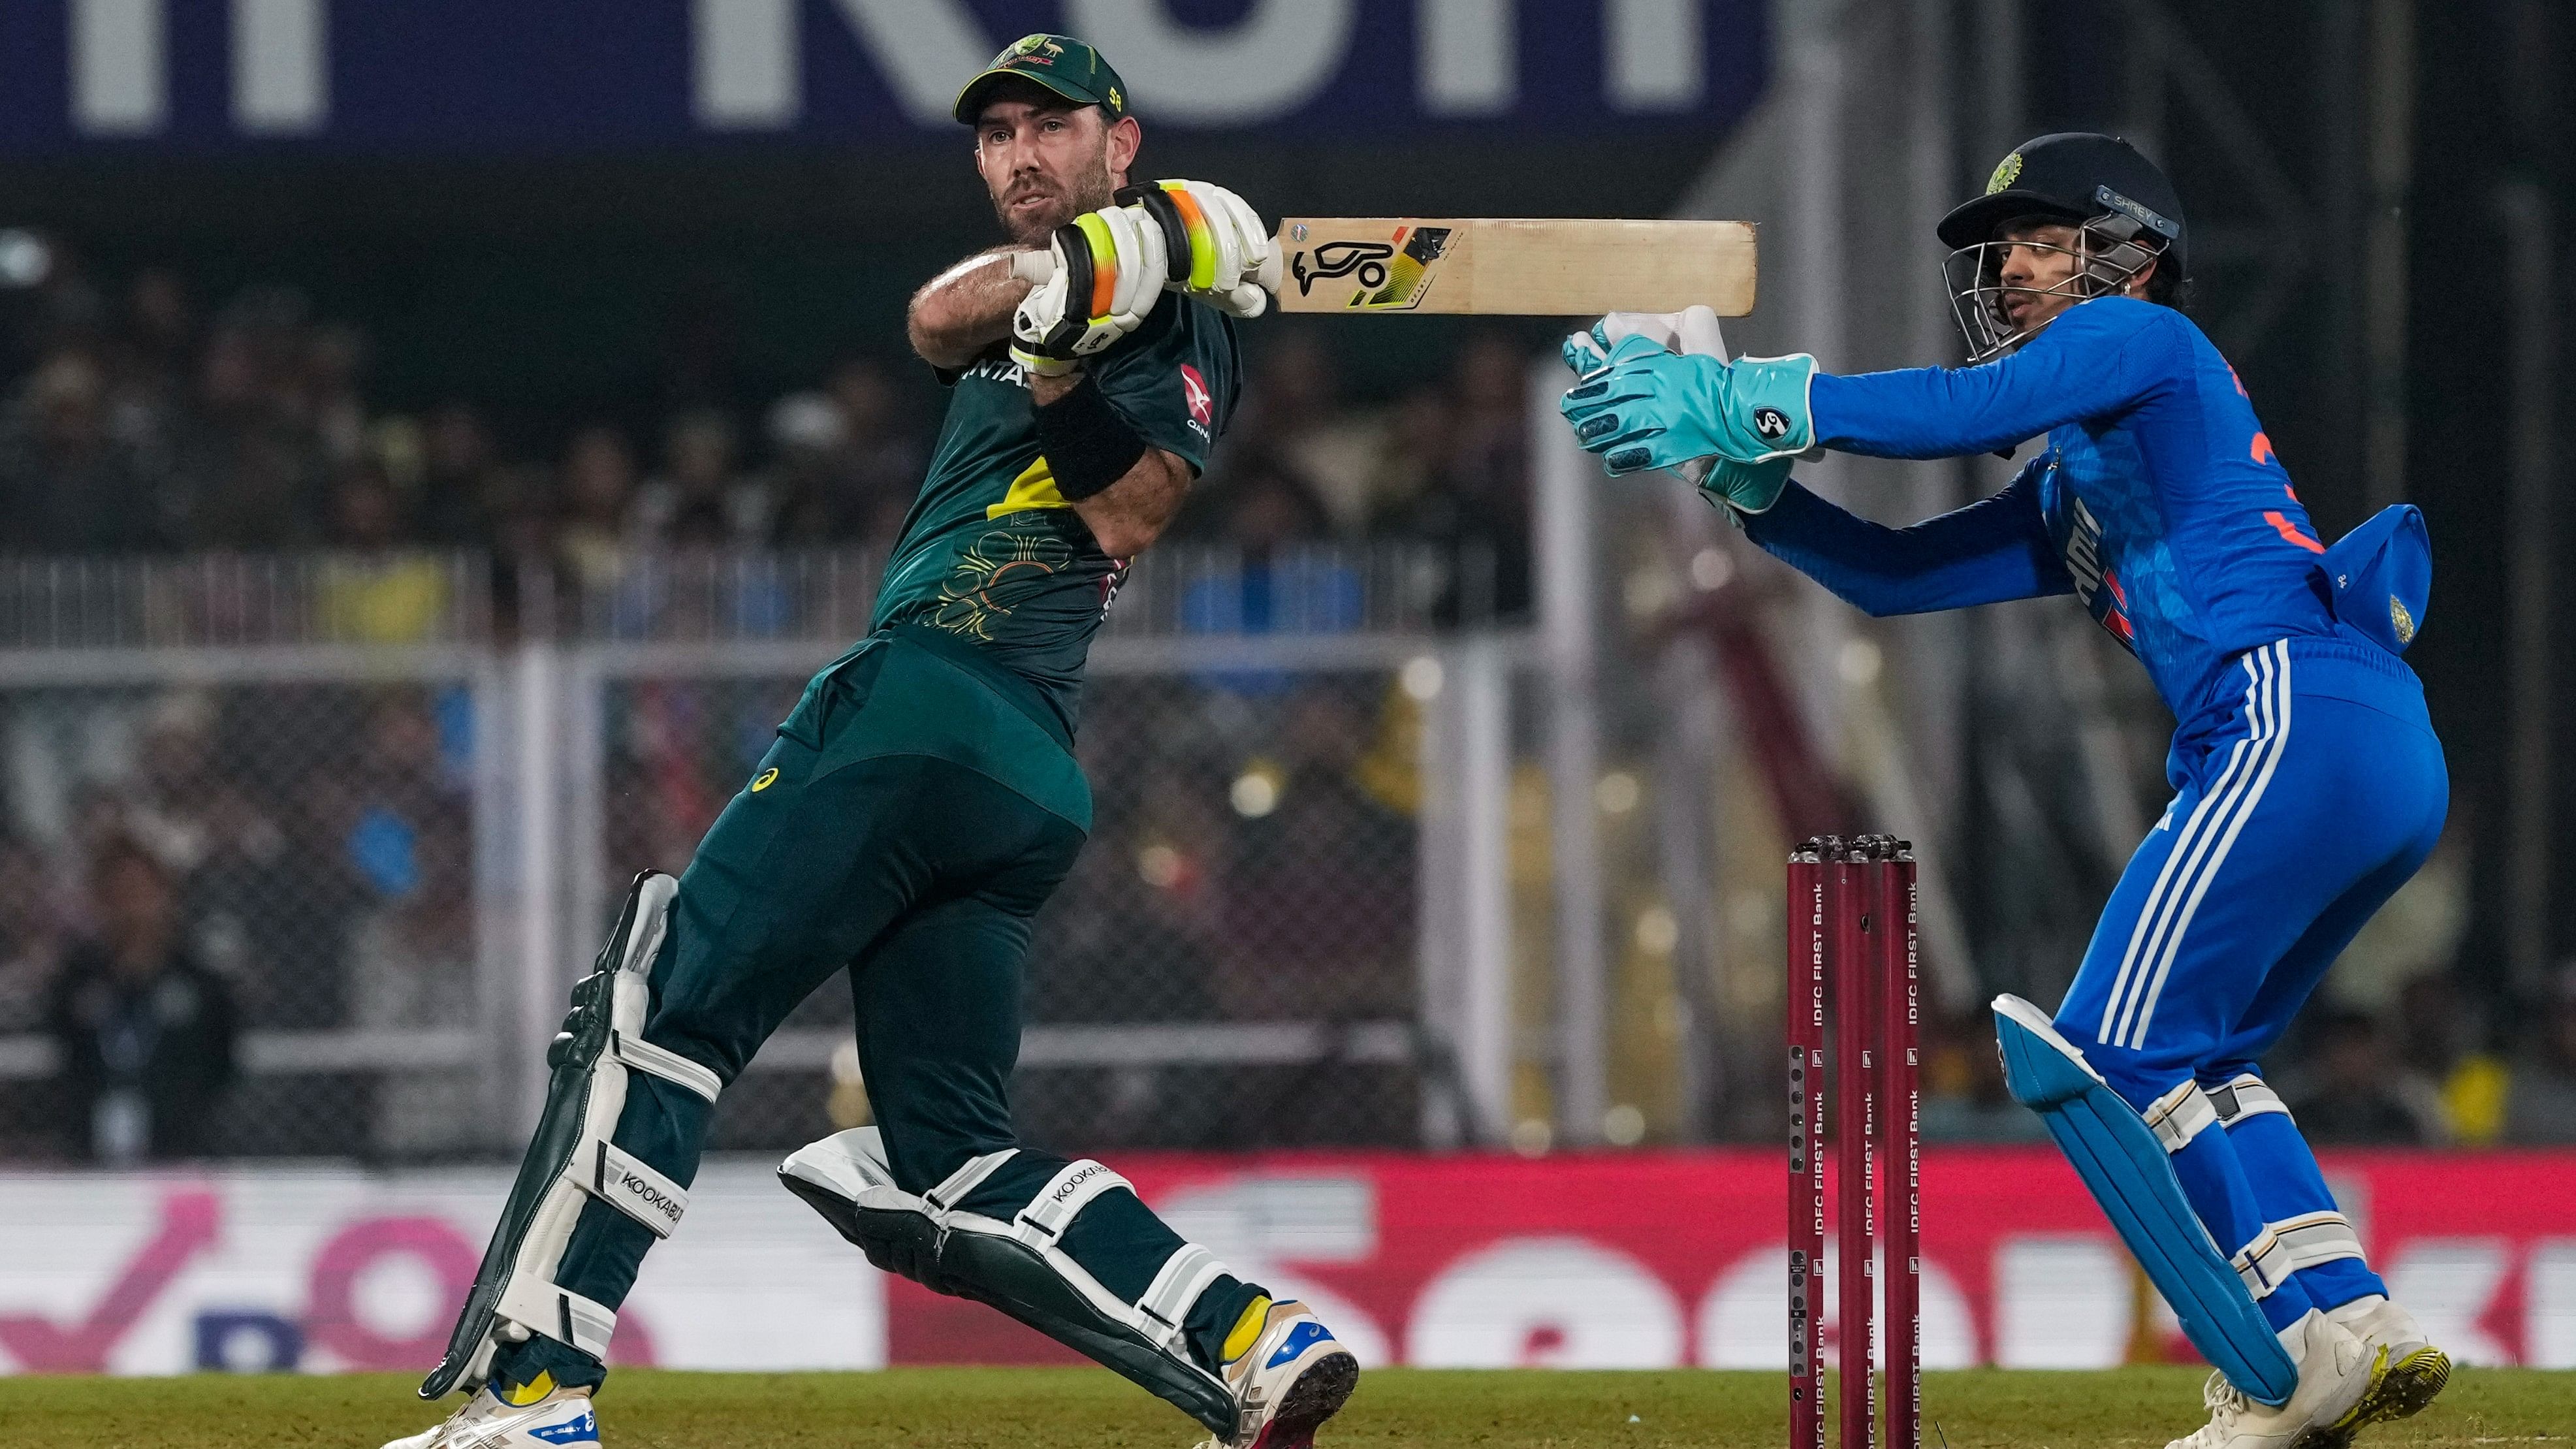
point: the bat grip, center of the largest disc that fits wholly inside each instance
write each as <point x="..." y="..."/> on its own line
<point x="1037" y="268"/>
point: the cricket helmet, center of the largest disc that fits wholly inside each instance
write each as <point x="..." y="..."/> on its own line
<point x="2124" y="208"/>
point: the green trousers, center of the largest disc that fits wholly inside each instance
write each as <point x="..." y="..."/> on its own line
<point x="904" y="828"/>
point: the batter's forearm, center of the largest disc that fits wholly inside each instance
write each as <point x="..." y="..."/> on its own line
<point x="965" y="309"/>
<point x="1131" y="513"/>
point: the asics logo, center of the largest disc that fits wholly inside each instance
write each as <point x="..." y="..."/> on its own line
<point x="582" y="1430"/>
<point x="1299" y="1339"/>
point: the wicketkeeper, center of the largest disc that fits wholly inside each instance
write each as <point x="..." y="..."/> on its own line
<point x="2308" y="784"/>
<point x="917" y="808"/>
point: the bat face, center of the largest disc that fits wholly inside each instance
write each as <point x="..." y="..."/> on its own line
<point x="1392" y="272"/>
<point x="1543" y="267"/>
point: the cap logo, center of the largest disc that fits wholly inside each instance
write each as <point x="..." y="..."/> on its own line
<point x="1117" y="102"/>
<point x="2401" y="621"/>
<point x="2007" y="171"/>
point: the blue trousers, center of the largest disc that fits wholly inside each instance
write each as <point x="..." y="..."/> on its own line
<point x="2303" y="800"/>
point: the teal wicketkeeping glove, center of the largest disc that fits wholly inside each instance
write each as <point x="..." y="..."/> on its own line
<point x="1648" y="408"/>
<point x="1747" y="488"/>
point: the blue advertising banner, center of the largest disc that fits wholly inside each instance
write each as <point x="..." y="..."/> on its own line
<point x="561" y="76"/>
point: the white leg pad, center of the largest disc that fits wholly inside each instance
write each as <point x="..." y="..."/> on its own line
<point x="531" y="1299"/>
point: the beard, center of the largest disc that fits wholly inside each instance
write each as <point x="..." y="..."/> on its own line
<point x="1058" y="201"/>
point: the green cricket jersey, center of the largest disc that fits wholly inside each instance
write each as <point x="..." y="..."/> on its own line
<point x="992" y="555"/>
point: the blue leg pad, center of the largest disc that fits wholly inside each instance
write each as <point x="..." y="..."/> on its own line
<point x="2124" y="1166"/>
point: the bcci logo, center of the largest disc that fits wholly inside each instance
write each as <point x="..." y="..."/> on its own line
<point x="2007" y="171"/>
<point x="2401" y="621"/>
<point x="1771" y="423"/>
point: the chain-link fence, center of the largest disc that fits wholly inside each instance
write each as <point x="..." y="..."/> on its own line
<point x="238" y="903"/>
<point x="298" y="858"/>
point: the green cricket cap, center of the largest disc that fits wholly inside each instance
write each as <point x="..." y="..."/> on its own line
<point x="1060" y="63"/>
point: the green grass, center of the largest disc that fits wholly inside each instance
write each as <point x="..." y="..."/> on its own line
<point x="938" y="1408"/>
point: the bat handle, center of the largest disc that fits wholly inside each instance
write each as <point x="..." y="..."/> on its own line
<point x="1037" y="268"/>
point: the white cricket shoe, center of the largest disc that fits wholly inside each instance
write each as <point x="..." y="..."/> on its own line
<point x="2335" y="1371"/>
<point x="559" y="1419"/>
<point x="2411" y="1370"/>
<point x="1294" y="1377"/>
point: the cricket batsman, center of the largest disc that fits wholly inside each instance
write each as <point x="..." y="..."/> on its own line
<point x="2308" y="782"/>
<point x="918" y="806"/>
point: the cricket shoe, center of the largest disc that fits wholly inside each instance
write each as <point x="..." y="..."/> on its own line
<point x="2410" y="1369"/>
<point x="2335" y="1370"/>
<point x="554" y="1418"/>
<point x="1293" y="1377"/>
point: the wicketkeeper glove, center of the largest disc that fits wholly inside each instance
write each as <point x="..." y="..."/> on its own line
<point x="1097" y="281"/>
<point x="1649" y="408"/>
<point x="1692" y="330"/>
<point x="1221" y="253"/>
<point x="1744" y="488"/>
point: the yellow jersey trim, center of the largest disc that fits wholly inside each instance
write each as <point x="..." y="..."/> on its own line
<point x="1034" y="488"/>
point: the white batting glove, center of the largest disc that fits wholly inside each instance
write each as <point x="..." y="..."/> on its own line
<point x="1096" y="282"/>
<point x="1221" y="253"/>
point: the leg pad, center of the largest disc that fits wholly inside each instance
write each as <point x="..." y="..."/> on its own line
<point x="1015" y="1264"/>
<point x="571" y="1159"/>
<point x="2122" y="1161"/>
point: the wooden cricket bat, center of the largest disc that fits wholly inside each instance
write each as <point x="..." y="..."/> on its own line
<point x="1539" y="267"/>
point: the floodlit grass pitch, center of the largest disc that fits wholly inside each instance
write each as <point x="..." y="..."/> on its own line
<point x="937" y="1408"/>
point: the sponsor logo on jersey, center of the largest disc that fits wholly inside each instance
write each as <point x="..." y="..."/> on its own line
<point x="1194" y="391"/>
<point x="766" y="779"/>
<point x="997" y="369"/>
<point x="2096" y="586"/>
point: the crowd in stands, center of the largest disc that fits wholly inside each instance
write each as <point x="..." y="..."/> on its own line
<point x="137" y="418"/>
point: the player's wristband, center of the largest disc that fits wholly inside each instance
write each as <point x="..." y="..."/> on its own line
<point x="1088" y="446"/>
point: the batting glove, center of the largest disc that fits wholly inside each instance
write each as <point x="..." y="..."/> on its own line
<point x="1648" y="408"/>
<point x="1096" y="282"/>
<point x="1221" y="253"/>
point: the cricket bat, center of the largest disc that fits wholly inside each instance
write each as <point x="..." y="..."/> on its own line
<point x="1497" y="266"/>
<point x="1541" y="267"/>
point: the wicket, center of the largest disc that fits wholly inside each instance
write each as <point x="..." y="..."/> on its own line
<point x="1852" y="963"/>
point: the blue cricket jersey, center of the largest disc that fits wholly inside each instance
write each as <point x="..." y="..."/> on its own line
<point x="2158" y="502"/>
